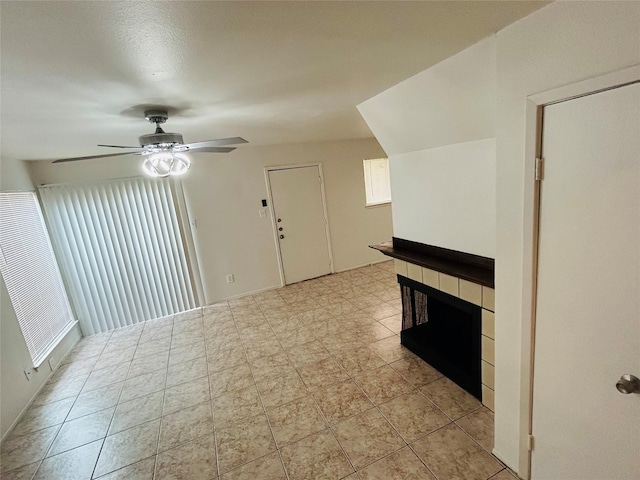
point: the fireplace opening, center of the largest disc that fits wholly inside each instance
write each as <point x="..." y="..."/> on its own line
<point x="443" y="330"/>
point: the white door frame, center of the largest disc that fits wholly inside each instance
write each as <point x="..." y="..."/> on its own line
<point x="273" y="212"/>
<point x="533" y="136"/>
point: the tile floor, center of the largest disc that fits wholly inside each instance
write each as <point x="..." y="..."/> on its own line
<point x="305" y="382"/>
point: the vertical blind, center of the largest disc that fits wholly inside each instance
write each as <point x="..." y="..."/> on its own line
<point x="31" y="275"/>
<point x="121" y="250"/>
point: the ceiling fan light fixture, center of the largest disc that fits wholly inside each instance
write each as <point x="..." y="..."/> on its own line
<point x="164" y="164"/>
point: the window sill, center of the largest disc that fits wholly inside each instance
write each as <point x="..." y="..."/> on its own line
<point x="377" y="204"/>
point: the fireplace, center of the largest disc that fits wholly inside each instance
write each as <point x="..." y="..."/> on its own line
<point x="448" y="302"/>
<point x="445" y="331"/>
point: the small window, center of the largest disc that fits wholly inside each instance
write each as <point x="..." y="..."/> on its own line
<point x="377" y="185"/>
<point x="31" y="275"/>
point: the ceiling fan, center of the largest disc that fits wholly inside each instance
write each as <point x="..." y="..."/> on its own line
<point x="164" y="152"/>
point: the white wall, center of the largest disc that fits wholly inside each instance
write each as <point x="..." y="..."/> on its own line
<point x="451" y="102"/>
<point x="445" y="196"/>
<point x="438" y="129"/>
<point x="224" y="193"/>
<point x="16" y="392"/>
<point x="563" y="43"/>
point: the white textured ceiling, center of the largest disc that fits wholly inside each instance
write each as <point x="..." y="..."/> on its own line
<point x="75" y="74"/>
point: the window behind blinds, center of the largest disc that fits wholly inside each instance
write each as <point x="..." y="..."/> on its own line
<point x="121" y="249"/>
<point x="31" y="275"/>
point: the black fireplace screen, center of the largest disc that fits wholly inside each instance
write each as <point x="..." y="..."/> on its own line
<point x="443" y="330"/>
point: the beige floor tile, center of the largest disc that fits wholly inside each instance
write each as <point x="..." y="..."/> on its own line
<point x="23" y="473"/>
<point x="393" y="323"/>
<point x="137" y="411"/>
<point x="19" y="451"/>
<point x="295" y="420"/>
<point x="187" y="352"/>
<point x="96" y="400"/>
<point x="286" y="324"/>
<point x="367" y="437"/>
<point x="152" y="347"/>
<point x="322" y="374"/>
<point x="219" y="327"/>
<point x="115" y="357"/>
<point x="195" y="460"/>
<point x="185" y="425"/>
<point x="306" y="353"/>
<point x="57" y="391"/>
<point x="359" y="359"/>
<point x="223" y="341"/>
<point x="295" y="337"/>
<point x="142" y="470"/>
<point x="226" y="358"/>
<point x="450" y="453"/>
<point x="268" y="467"/>
<point x="106" y="376"/>
<point x="147" y="364"/>
<point x="42" y="416"/>
<point x="403" y="464"/>
<point x="156" y="333"/>
<point x="188" y="315"/>
<point x="450" y="398"/>
<point x="143" y="385"/>
<point x="271" y="366"/>
<point x="186" y="395"/>
<point x="390" y="349"/>
<point x="416" y="371"/>
<point x="382" y="384"/>
<point x="373" y="332"/>
<point x="190" y="325"/>
<point x="479" y="425"/>
<point x="71" y="370"/>
<point x="263" y="348"/>
<point x="280" y="390"/>
<point x="76" y="464"/>
<point x="186" y="338"/>
<point x="341" y="401"/>
<point x="81" y="431"/>
<point x="187" y="371"/>
<point x="127" y="447"/>
<point x="413" y="415"/>
<point x="243" y="442"/>
<point x="236" y="405"/>
<point x="316" y="457"/>
<point x="234" y="378"/>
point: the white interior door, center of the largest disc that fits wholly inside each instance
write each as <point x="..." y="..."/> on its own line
<point x="298" y="204"/>
<point x="588" y="304"/>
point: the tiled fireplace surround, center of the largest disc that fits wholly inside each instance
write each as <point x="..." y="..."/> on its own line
<point x="474" y="292"/>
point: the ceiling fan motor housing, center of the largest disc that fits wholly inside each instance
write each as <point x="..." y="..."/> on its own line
<point x="160" y="139"/>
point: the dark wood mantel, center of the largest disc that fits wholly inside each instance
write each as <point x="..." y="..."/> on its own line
<point x="467" y="266"/>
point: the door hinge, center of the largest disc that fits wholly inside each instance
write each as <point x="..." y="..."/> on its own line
<point x="539" y="168"/>
<point x="530" y="443"/>
<point x="320" y="180"/>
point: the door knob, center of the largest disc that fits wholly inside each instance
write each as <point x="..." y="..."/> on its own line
<point x="628" y="384"/>
<point x="281" y="236"/>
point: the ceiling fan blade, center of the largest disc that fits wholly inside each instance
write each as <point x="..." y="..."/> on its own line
<point x="117" y="146"/>
<point x="212" y="149"/>
<point x="217" y="143"/>
<point x="90" y="157"/>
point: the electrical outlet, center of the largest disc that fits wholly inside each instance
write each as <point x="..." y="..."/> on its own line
<point x="230" y="278"/>
<point x="52" y="364"/>
<point x="28" y="372"/>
